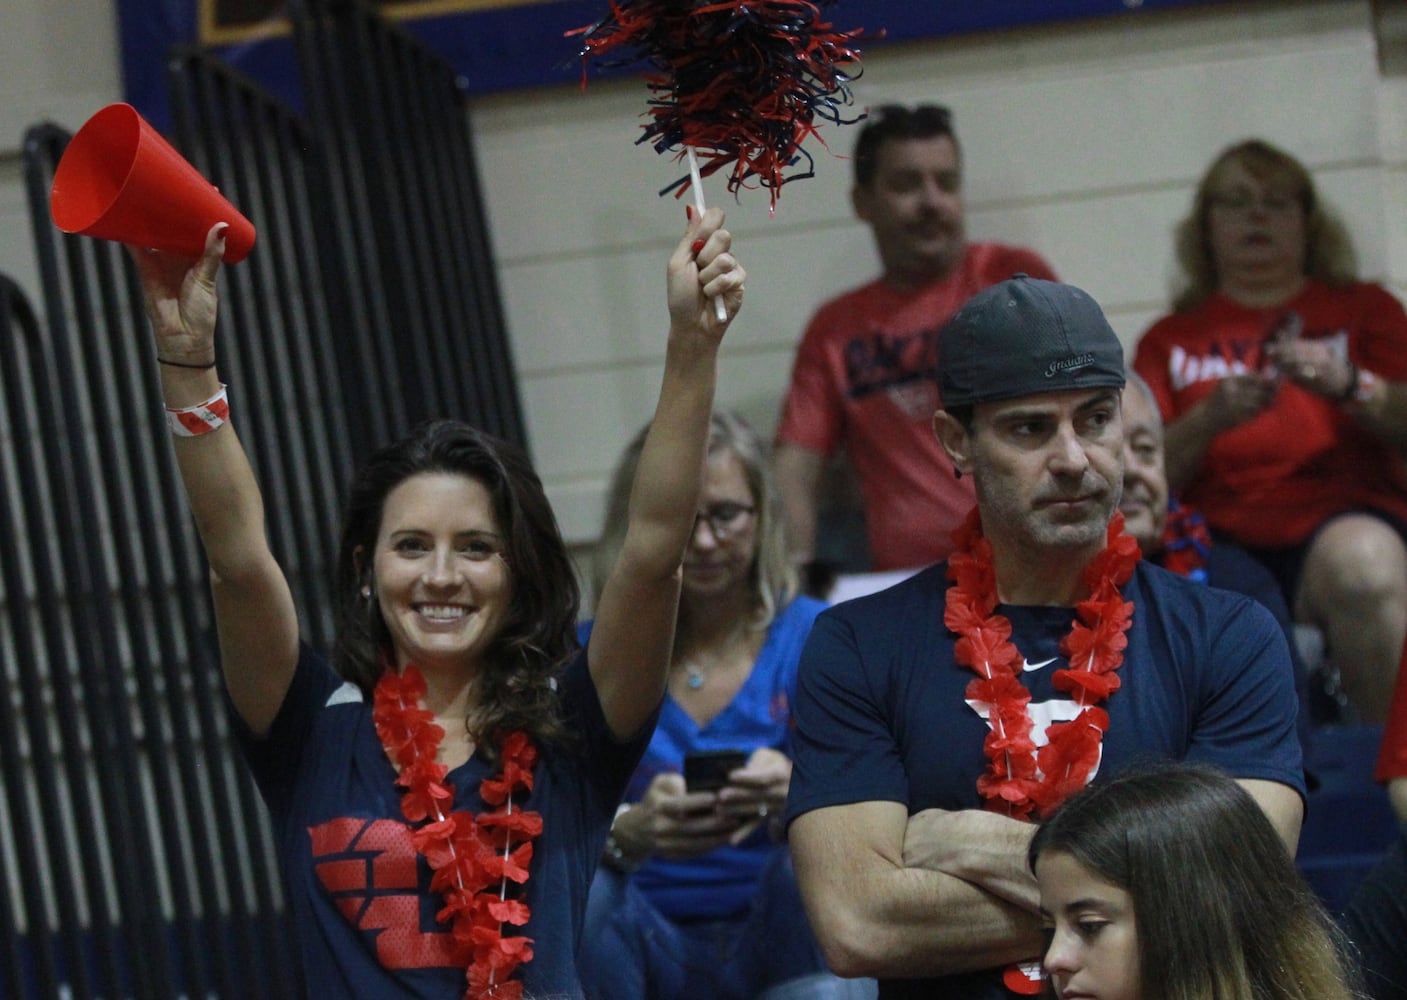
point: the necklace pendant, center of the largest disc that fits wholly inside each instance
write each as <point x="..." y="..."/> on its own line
<point x="695" y="679"/>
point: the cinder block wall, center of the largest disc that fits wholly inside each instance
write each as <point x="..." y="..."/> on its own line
<point x="1082" y="140"/>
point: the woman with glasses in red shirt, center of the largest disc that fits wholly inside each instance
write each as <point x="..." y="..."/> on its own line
<point x="1282" y="380"/>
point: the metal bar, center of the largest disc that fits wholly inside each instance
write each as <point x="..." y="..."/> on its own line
<point x="374" y="147"/>
<point x="312" y="365"/>
<point x="28" y="907"/>
<point x="222" y="146"/>
<point x="480" y="282"/>
<point x="106" y="704"/>
<point x="89" y="619"/>
<point x="356" y="284"/>
<point x="405" y="100"/>
<point x="427" y="79"/>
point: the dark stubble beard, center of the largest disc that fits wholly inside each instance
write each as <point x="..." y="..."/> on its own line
<point x="1038" y="532"/>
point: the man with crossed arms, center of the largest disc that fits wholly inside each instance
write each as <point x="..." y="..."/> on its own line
<point x="908" y="872"/>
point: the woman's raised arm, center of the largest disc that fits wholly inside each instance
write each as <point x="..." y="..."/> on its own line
<point x="254" y="612"/>
<point x="635" y="612"/>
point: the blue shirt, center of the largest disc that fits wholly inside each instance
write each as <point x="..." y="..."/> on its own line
<point x="720" y="883"/>
<point x="881" y="712"/>
<point x="362" y="909"/>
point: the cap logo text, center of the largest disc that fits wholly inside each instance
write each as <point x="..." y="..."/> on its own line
<point x="1069" y="364"/>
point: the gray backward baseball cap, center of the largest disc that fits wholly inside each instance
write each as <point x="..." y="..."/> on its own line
<point x="1025" y="336"/>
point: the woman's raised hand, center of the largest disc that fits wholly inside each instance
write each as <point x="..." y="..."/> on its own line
<point x="180" y="299"/>
<point x="702" y="269"/>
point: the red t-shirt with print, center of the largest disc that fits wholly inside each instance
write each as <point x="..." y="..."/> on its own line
<point x="865" y="377"/>
<point x="1272" y="480"/>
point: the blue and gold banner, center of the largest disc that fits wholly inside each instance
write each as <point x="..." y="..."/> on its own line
<point x="233" y="22"/>
<point x="492" y="44"/>
<point x="510" y="44"/>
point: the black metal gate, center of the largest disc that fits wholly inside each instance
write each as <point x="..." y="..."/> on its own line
<point x="135" y="858"/>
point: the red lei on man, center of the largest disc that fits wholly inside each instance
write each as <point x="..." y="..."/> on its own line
<point x="473" y="857"/>
<point x="1020" y="780"/>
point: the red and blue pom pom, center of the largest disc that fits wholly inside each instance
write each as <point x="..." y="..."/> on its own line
<point x="741" y="83"/>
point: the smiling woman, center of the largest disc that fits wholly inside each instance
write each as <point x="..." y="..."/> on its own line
<point x="441" y="790"/>
<point x="428" y="543"/>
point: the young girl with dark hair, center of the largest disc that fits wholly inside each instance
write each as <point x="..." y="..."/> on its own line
<point x="1170" y="884"/>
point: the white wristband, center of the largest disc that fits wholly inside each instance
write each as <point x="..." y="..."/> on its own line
<point x="202" y="418"/>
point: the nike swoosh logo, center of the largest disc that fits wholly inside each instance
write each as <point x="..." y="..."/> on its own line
<point x="1028" y="666"/>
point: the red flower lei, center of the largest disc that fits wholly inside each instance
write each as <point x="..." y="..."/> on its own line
<point x="1020" y="780"/>
<point x="473" y="857"/>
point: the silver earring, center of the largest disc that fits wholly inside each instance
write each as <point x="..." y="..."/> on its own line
<point x="366" y="591"/>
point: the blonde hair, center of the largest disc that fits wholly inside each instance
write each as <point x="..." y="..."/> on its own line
<point x="773" y="578"/>
<point x="1329" y="255"/>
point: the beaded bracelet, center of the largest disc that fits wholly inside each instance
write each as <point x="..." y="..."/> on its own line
<point x="202" y="418"/>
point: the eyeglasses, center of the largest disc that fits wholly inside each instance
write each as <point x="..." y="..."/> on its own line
<point x="1241" y="201"/>
<point x="724" y="519"/>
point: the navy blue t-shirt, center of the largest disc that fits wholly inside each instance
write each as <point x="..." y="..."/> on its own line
<point x="359" y="894"/>
<point x="881" y="712"/>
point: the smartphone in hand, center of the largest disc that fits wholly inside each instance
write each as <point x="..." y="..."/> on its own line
<point x="708" y="770"/>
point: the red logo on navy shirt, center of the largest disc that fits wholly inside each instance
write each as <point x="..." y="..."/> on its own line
<point x="371" y="871"/>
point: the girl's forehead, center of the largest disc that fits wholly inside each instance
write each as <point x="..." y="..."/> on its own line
<point x="1067" y="881"/>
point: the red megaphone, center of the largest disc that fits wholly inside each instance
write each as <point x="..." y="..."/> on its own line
<point x="120" y="180"/>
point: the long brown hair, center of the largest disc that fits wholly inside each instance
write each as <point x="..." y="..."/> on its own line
<point x="517" y="686"/>
<point x="1219" y="907"/>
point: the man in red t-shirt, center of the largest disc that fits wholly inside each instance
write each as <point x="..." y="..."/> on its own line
<point x="865" y="376"/>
